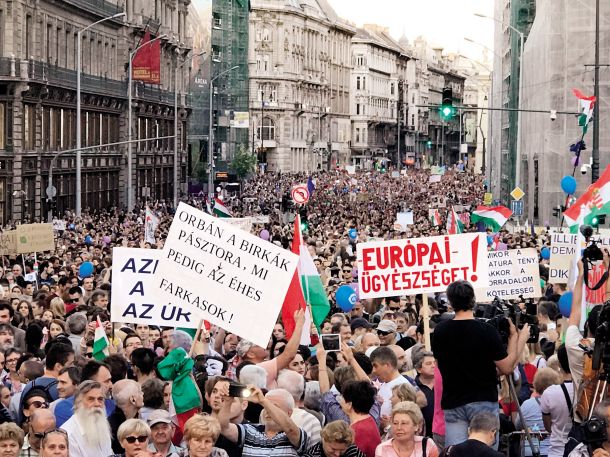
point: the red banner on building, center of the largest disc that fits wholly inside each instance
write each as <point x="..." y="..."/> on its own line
<point x="146" y="64"/>
<point x="155" y="62"/>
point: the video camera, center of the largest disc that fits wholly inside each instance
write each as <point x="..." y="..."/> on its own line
<point x="592" y="253"/>
<point x="595" y="433"/>
<point x="498" y="313"/>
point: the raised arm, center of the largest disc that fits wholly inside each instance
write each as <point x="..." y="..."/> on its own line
<point x="576" y="311"/>
<point x="227" y="429"/>
<point x="290" y="350"/>
<point x="348" y="355"/>
<point x="286" y="424"/>
<point x="322" y="369"/>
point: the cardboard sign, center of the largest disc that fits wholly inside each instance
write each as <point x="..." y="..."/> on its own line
<point x="243" y="223"/>
<point x="59" y="225"/>
<point x="421" y="265"/>
<point x="563" y="251"/>
<point x="8" y="242"/>
<point x="403" y="220"/>
<point x="512" y="274"/>
<point x="135" y="297"/>
<point x="35" y="238"/>
<point x="224" y="275"/>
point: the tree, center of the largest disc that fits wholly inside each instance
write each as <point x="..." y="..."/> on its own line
<point x="244" y="162"/>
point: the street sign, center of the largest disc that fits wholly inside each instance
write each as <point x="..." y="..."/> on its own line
<point x="487" y="198"/>
<point x="517" y="193"/>
<point x="300" y="194"/>
<point x="51" y="191"/>
<point x="517" y="207"/>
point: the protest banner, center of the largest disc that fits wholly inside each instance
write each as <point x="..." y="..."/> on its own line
<point x="421" y="265"/>
<point x="563" y="251"/>
<point x="243" y="223"/>
<point x="403" y="220"/>
<point x="226" y="276"/>
<point x="135" y="296"/>
<point x="512" y="274"/>
<point x="260" y="219"/>
<point x="35" y="238"/>
<point x="59" y="225"/>
<point x="8" y="242"/>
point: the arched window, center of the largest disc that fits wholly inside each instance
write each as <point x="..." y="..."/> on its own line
<point x="268" y="129"/>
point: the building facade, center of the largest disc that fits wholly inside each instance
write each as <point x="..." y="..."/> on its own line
<point x="300" y="61"/>
<point x="38" y="43"/>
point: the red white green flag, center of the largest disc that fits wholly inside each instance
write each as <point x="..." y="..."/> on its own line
<point x="586" y="109"/>
<point x="220" y="209"/>
<point x="595" y="201"/>
<point x="454" y="224"/>
<point x="494" y="217"/>
<point x="435" y="217"/>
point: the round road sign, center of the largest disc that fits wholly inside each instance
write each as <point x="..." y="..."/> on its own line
<point x="300" y="194"/>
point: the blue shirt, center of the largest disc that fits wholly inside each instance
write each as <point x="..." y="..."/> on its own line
<point x="65" y="408"/>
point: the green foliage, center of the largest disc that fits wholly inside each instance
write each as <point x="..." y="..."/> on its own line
<point x="244" y="162"/>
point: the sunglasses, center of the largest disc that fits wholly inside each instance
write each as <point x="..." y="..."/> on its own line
<point x="382" y="333"/>
<point x="139" y="439"/>
<point x="89" y="355"/>
<point x="43" y="434"/>
<point x="38" y="404"/>
<point x="72" y="300"/>
<point x="394" y="309"/>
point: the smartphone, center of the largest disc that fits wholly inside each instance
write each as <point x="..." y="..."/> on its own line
<point x="239" y="390"/>
<point x="331" y="342"/>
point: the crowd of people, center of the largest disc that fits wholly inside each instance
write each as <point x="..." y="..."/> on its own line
<point x="475" y="391"/>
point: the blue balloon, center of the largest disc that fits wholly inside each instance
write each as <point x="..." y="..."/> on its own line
<point x="353" y="234"/>
<point x="71" y="226"/>
<point x="346" y="298"/>
<point x="565" y="304"/>
<point x="545" y="253"/>
<point x="568" y="185"/>
<point x="88" y="240"/>
<point x="85" y="270"/>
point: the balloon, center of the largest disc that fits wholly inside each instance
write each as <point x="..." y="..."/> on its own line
<point x="545" y="253"/>
<point x="264" y="235"/>
<point x="85" y="270"/>
<point x="71" y="226"/>
<point x="353" y="234"/>
<point x="356" y="289"/>
<point x="346" y="297"/>
<point x="565" y="304"/>
<point x="88" y="240"/>
<point x="568" y="184"/>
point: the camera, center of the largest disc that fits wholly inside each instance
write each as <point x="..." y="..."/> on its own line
<point x="584" y="169"/>
<point x="594" y="432"/>
<point x="239" y="390"/>
<point x="553" y="114"/>
<point x="498" y="313"/>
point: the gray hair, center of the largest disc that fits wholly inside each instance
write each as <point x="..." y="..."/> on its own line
<point x="254" y="375"/>
<point x="123" y="390"/>
<point x="418" y="358"/>
<point x="484" y="421"/>
<point x="135" y="426"/>
<point x="293" y="383"/>
<point x="312" y="395"/>
<point x="284" y="395"/>
<point x="182" y="340"/>
<point x="84" y="388"/>
<point x="77" y="323"/>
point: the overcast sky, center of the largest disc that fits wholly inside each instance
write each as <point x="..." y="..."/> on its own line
<point x="441" y="22"/>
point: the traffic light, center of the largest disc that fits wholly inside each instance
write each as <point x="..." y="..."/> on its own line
<point x="595" y="221"/>
<point x="429" y="144"/>
<point x="601" y="219"/>
<point x="557" y="211"/>
<point x="447" y="110"/>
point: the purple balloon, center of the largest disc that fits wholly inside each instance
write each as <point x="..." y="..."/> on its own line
<point x="264" y="235"/>
<point x="354" y="286"/>
<point x="574" y="161"/>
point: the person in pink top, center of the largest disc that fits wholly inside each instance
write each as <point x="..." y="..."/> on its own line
<point x="406" y="420"/>
<point x="438" y="421"/>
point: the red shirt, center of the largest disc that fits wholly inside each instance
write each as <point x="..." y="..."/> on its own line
<point x="366" y="436"/>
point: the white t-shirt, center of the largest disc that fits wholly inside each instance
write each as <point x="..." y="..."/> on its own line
<point x="385" y="392"/>
<point x="575" y="354"/>
<point x="553" y="402"/>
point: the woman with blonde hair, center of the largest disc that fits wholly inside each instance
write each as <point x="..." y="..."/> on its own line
<point x="58" y="308"/>
<point x="133" y="434"/>
<point x="406" y="420"/>
<point x="200" y="434"/>
<point x="337" y="441"/>
<point x="11" y="439"/>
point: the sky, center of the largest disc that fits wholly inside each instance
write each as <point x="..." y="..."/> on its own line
<point x="442" y="22"/>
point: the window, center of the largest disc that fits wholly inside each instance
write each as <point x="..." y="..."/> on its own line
<point x="1" y="34"/>
<point x="266" y="35"/>
<point x="413" y="120"/>
<point x="392" y="89"/>
<point x="259" y="35"/>
<point x="2" y="126"/>
<point x="216" y="21"/>
<point x="266" y="63"/>
<point x="29" y="127"/>
<point x="364" y="83"/>
<point x="268" y="129"/>
<point x="357" y="109"/>
<point x="359" y="60"/>
<point x="259" y="62"/>
<point x="357" y="135"/>
<point x="28" y="36"/>
<point x="357" y="82"/>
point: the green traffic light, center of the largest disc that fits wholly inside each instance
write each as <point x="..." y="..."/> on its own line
<point x="304" y="226"/>
<point x="429" y="144"/>
<point x="595" y="222"/>
<point x="447" y="111"/>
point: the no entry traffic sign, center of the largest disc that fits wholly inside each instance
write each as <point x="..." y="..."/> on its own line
<point x="300" y="194"/>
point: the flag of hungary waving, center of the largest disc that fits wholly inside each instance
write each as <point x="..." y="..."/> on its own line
<point x="494" y="217"/>
<point x="595" y="201"/>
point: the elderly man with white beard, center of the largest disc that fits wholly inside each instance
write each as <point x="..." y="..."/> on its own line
<point x="88" y="429"/>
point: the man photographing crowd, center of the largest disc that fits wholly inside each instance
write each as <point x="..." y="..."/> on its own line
<point x="470" y="354"/>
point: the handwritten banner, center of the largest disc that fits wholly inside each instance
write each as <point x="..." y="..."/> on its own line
<point x="35" y="238"/>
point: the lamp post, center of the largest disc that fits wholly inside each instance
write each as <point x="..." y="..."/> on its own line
<point x="129" y="126"/>
<point x="519" y="129"/>
<point x="79" y="39"/>
<point x="211" y="134"/>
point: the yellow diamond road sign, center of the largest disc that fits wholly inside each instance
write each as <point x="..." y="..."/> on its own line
<point x="517" y="193"/>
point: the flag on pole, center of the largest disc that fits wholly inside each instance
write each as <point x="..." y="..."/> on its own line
<point x="494" y="217"/>
<point x="100" y="341"/>
<point x="435" y="217"/>
<point x="595" y="201"/>
<point x="586" y="109"/>
<point x="150" y="226"/>
<point x="294" y="299"/>
<point x="220" y="209"/>
<point x="310" y="186"/>
<point x="454" y="224"/>
<point x="208" y="208"/>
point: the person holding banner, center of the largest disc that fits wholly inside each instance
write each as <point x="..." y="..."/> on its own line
<point x="468" y="353"/>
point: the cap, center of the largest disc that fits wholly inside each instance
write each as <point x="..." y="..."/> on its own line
<point x="159" y="416"/>
<point x="243" y="347"/>
<point x="387" y="325"/>
<point x="360" y="322"/>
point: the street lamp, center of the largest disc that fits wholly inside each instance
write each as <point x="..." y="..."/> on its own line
<point x="178" y="66"/>
<point x="79" y="40"/>
<point x="211" y="135"/>
<point x="129" y="126"/>
<point x="519" y="129"/>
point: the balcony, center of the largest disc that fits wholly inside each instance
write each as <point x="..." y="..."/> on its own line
<point x="101" y="8"/>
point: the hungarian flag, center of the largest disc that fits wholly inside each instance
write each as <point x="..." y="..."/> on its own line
<point x="208" y="208"/>
<point x="454" y="224"/>
<point x="494" y="217"/>
<point x="595" y="201"/>
<point x="100" y="341"/>
<point x="586" y="109"/>
<point x="435" y="217"/>
<point x="220" y="209"/>
<point x="294" y="299"/>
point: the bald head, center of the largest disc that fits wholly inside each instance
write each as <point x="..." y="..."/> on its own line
<point x="368" y="340"/>
<point x="400" y="356"/>
<point x="41" y="422"/>
<point x="127" y="392"/>
<point x="31" y="369"/>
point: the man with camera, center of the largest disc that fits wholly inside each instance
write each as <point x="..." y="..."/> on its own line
<point x="595" y="443"/>
<point x="470" y="354"/>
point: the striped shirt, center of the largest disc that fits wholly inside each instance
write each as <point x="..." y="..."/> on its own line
<point x="318" y="451"/>
<point x="256" y="443"/>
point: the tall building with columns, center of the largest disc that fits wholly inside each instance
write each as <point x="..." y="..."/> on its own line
<point x="38" y="43"/>
<point x="300" y="62"/>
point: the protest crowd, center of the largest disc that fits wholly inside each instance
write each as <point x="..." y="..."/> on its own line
<point x="410" y="375"/>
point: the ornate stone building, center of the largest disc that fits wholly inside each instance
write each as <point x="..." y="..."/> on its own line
<point x="300" y="64"/>
<point x="38" y="42"/>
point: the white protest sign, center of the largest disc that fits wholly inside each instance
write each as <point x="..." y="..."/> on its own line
<point x="434" y="178"/>
<point x="563" y="249"/>
<point x="226" y="276"/>
<point x="403" y="220"/>
<point x="135" y="296"/>
<point x="260" y="219"/>
<point x="512" y="274"/>
<point x="421" y="265"/>
<point x="243" y="223"/>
